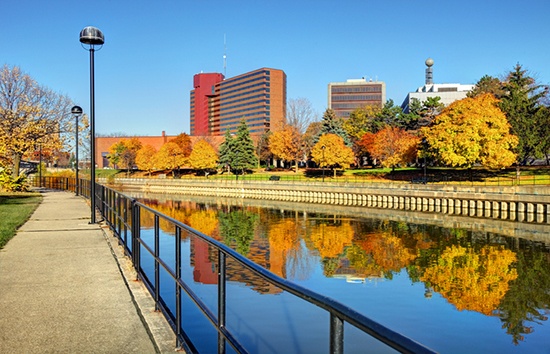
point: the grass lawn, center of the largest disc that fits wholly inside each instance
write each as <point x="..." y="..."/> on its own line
<point x="15" y="210"/>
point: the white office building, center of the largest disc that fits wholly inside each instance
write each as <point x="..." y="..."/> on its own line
<point x="447" y="92"/>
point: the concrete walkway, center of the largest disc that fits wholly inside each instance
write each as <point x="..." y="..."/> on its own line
<point x="66" y="287"/>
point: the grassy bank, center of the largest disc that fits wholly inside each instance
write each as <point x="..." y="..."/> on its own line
<point x="15" y="210"/>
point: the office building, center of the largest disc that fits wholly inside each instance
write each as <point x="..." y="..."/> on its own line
<point x="447" y="92"/>
<point x="345" y="97"/>
<point x="218" y="104"/>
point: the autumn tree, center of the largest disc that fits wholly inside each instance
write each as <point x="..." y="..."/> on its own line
<point x="470" y="279"/>
<point x="393" y="147"/>
<point x="145" y="158"/>
<point x="203" y="157"/>
<point x="170" y="157"/>
<point x="30" y="115"/>
<point x="262" y="148"/>
<point x="184" y="142"/>
<point x="472" y="131"/>
<point x="286" y="144"/>
<point x="331" y="151"/>
<point x="361" y="121"/>
<point x="521" y="104"/>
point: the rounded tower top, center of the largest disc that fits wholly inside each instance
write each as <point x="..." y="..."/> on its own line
<point x="429" y="62"/>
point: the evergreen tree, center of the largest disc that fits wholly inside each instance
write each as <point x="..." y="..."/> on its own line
<point x="487" y="84"/>
<point x="331" y="124"/>
<point x="521" y="104"/>
<point x="390" y="115"/>
<point x="243" y="151"/>
<point x="226" y="153"/>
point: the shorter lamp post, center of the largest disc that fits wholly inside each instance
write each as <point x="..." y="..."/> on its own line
<point x="40" y="166"/>
<point x="76" y="111"/>
<point x="323" y="149"/>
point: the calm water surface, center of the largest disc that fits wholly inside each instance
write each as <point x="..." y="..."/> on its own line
<point x="453" y="289"/>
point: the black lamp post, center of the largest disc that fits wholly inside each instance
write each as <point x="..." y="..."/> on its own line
<point x="76" y="111"/>
<point x="92" y="37"/>
<point x="323" y="149"/>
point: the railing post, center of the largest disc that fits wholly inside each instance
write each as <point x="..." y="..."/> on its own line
<point x="178" y="289"/>
<point x="221" y="300"/>
<point x="336" y="334"/>
<point x="157" y="268"/>
<point x="135" y="236"/>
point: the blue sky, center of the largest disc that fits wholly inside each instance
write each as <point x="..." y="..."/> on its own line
<point x="144" y="72"/>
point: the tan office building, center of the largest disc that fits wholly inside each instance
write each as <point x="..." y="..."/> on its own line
<point x="345" y="97"/>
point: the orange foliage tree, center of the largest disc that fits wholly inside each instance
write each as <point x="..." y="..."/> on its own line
<point x="286" y="144"/>
<point x="387" y="252"/>
<point x="392" y="146"/>
<point x="471" y="280"/>
<point x="472" y="130"/>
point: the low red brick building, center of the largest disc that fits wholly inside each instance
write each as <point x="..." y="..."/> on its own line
<point x="102" y="144"/>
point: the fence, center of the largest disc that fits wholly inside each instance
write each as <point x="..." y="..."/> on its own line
<point x="125" y="217"/>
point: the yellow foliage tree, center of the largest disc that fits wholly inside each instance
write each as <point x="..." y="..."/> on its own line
<point x="203" y="156"/>
<point x="330" y="240"/>
<point x="470" y="131"/>
<point x="471" y="280"/>
<point x="30" y="115"/>
<point x="286" y="144"/>
<point x="170" y="157"/>
<point x="331" y="151"/>
<point x="145" y="158"/>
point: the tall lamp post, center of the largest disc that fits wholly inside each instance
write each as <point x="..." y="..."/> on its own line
<point x="76" y="111"/>
<point x="92" y="37"/>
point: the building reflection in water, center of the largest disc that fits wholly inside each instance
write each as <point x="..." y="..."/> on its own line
<point x="473" y="269"/>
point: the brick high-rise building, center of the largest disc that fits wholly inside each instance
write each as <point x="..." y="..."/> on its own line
<point x="345" y="97"/>
<point x="258" y="97"/>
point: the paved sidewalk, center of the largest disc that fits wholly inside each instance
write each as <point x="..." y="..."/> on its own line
<point x="66" y="287"/>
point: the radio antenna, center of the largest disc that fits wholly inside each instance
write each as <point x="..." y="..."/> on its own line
<point x="224" y="56"/>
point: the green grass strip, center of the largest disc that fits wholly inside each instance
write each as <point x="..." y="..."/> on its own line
<point x="15" y="210"/>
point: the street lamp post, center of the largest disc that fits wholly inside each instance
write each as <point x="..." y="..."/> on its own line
<point x="92" y="37"/>
<point x="76" y="111"/>
<point x="40" y="167"/>
<point x="323" y="149"/>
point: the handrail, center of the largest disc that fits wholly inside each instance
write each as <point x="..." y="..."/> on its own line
<point x="114" y="206"/>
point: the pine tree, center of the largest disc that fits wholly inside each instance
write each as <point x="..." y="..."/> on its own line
<point x="521" y="104"/>
<point x="243" y="151"/>
<point x="226" y="153"/>
<point x="331" y="124"/>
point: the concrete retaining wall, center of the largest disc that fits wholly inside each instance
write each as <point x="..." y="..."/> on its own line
<point x="521" y="203"/>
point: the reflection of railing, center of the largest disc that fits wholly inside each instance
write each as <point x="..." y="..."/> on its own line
<point x="122" y="214"/>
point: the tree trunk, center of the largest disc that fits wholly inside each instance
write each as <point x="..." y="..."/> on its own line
<point x="16" y="165"/>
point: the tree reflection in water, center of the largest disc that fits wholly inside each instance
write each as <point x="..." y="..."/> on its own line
<point x="473" y="270"/>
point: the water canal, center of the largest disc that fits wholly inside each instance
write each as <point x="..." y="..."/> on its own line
<point x="456" y="286"/>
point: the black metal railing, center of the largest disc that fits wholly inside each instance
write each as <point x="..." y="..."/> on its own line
<point x="124" y="215"/>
